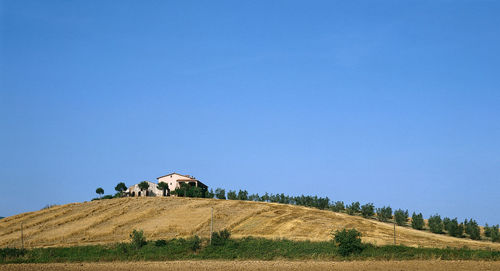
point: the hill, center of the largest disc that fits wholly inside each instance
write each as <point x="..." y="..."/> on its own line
<point x="109" y="221"/>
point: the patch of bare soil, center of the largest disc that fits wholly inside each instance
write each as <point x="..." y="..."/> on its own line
<point x="263" y="265"/>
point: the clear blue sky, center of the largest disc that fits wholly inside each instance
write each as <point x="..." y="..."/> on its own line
<point x="390" y="102"/>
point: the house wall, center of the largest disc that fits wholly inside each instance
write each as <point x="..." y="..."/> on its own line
<point x="152" y="190"/>
<point x="171" y="180"/>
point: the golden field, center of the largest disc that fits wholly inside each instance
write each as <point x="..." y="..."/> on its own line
<point x="110" y="221"/>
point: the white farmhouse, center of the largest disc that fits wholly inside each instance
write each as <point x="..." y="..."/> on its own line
<point x="173" y="180"/>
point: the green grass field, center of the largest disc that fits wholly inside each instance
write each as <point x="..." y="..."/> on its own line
<point x="240" y="249"/>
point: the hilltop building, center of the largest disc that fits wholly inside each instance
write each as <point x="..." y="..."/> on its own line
<point x="173" y="180"/>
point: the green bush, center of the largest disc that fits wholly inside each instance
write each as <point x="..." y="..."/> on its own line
<point x="417" y="221"/>
<point x="348" y="241"/>
<point x="452" y="227"/>
<point x="384" y="213"/>
<point x="338" y="206"/>
<point x="11" y="253"/>
<point x="354" y="208"/>
<point x="220" y="193"/>
<point x="242" y="195"/>
<point x="232" y="195"/>
<point x="401" y="217"/>
<point x="436" y="224"/>
<point x="367" y="210"/>
<point x="220" y="238"/>
<point x="137" y="239"/>
<point x="161" y="243"/>
<point x="472" y="229"/>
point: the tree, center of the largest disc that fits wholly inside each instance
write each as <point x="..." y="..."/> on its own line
<point x="220" y="238"/>
<point x="384" y="213"/>
<point x="338" y="206"/>
<point x="210" y="194"/>
<point x="348" y="241"/>
<point x="452" y="227"/>
<point x="163" y="186"/>
<point x="492" y="232"/>
<point x="322" y="203"/>
<point x="353" y="208"/>
<point x="243" y="195"/>
<point x="417" y="221"/>
<point x="144" y="185"/>
<point x="137" y="239"/>
<point x="99" y="191"/>
<point x="367" y="210"/>
<point x="436" y="224"/>
<point x="120" y="188"/>
<point x="220" y="193"/>
<point x="254" y="197"/>
<point x="401" y="217"/>
<point x="472" y="229"/>
<point x="232" y="195"/>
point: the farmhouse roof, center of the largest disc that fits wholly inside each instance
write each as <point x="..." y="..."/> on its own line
<point x="187" y="176"/>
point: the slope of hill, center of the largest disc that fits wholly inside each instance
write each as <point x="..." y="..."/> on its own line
<point x="109" y="221"/>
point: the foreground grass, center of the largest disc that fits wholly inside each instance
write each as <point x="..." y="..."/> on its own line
<point x="240" y="249"/>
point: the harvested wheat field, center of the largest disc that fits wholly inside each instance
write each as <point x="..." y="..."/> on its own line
<point x="263" y="265"/>
<point x="110" y="221"/>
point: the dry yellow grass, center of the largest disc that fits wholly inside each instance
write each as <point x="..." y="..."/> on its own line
<point x="110" y="221"/>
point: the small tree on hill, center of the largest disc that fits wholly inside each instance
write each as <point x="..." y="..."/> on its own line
<point x="143" y="186"/>
<point x="417" y="221"/>
<point x="348" y="241"/>
<point x="384" y="213"/>
<point x="338" y="206"/>
<point x="120" y="188"/>
<point x="220" y="238"/>
<point x="401" y="217"/>
<point x="220" y="193"/>
<point x="163" y="186"/>
<point x="99" y="191"/>
<point x="232" y="195"/>
<point x="210" y="194"/>
<point x="137" y="239"/>
<point x="243" y="195"/>
<point x="472" y="229"/>
<point x="354" y="208"/>
<point x="452" y="227"/>
<point x="436" y="224"/>
<point x="367" y="210"/>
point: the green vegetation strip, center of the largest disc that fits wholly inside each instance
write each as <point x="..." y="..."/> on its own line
<point x="234" y="249"/>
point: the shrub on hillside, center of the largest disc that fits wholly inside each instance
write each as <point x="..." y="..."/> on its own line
<point x="137" y="239"/>
<point x="452" y="227"/>
<point x="417" y="221"/>
<point x="220" y="193"/>
<point x="254" y="197"/>
<point x="348" y="241"/>
<point x="232" y="195"/>
<point x="472" y="229"/>
<point x="220" y="238"/>
<point x="161" y="243"/>
<point x="367" y="210"/>
<point x="338" y="206"/>
<point x="401" y="217"/>
<point x="210" y="194"/>
<point x="494" y="233"/>
<point x="384" y="213"/>
<point x="436" y="224"/>
<point x="354" y="208"/>
<point x="243" y="195"/>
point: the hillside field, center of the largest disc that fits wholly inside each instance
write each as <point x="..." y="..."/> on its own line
<point x="111" y="221"/>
